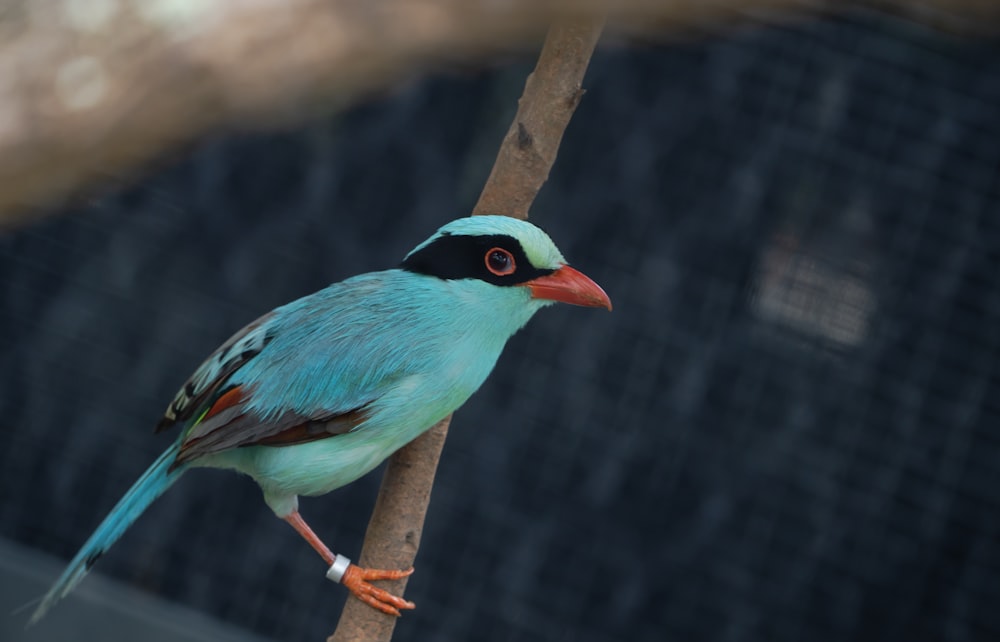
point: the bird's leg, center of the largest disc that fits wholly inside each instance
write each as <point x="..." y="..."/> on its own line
<point x="354" y="577"/>
<point x="307" y="534"/>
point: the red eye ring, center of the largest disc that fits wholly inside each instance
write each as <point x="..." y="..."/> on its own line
<point x="500" y="261"/>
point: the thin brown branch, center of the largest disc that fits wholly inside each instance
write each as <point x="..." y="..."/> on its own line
<point x="393" y="535"/>
<point x="551" y="94"/>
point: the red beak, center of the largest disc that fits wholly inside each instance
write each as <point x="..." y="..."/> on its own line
<point x="569" y="286"/>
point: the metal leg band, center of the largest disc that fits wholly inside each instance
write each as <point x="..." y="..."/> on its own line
<point x="338" y="568"/>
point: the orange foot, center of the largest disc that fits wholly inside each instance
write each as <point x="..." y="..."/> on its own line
<point x="356" y="580"/>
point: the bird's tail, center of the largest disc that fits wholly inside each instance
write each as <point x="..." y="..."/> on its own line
<point x="157" y="479"/>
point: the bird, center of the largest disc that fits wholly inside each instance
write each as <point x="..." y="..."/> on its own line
<point x="316" y="393"/>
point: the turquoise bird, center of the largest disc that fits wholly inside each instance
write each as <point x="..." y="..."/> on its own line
<point x="318" y="392"/>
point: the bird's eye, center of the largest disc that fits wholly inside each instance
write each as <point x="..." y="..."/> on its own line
<point x="499" y="261"/>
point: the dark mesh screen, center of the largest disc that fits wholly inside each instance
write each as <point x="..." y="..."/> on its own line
<point x="787" y="429"/>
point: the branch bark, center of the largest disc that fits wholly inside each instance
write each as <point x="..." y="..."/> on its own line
<point x="551" y="94"/>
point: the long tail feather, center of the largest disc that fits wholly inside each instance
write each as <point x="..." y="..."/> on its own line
<point x="157" y="479"/>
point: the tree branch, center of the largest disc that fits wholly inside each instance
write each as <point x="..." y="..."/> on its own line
<point x="526" y="155"/>
<point x="551" y="94"/>
<point x="89" y="90"/>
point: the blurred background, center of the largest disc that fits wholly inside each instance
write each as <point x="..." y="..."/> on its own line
<point x="786" y="430"/>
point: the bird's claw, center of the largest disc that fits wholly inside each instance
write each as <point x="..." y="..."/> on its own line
<point x="356" y="580"/>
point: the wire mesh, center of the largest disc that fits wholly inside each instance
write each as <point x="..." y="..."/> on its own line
<point x="786" y="430"/>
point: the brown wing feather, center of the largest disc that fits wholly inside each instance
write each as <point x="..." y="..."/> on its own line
<point x="230" y="424"/>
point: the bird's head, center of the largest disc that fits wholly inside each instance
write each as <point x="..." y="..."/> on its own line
<point x="505" y="252"/>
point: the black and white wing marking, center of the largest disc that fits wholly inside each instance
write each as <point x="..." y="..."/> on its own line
<point x="227" y="359"/>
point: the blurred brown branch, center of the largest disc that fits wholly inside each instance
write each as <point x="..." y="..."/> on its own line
<point x="550" y="97"/>
<point x="90" y="89"/>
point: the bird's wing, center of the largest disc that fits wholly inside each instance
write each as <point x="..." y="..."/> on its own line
<point x="227" y="422"/>
<point x="197" y="392"/>
<point x="216" y="412"/>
